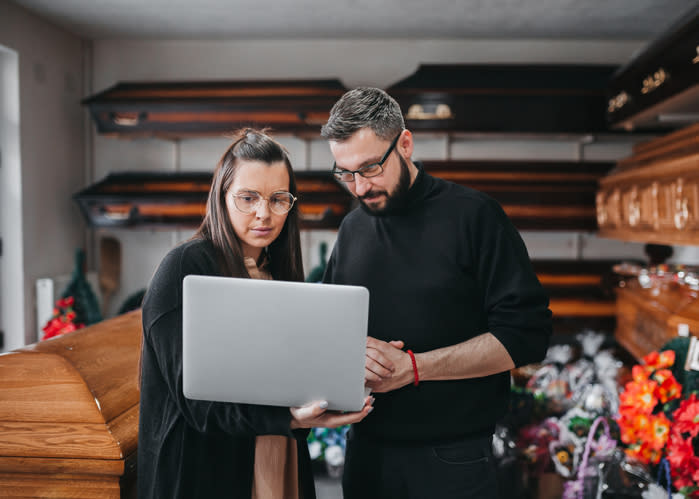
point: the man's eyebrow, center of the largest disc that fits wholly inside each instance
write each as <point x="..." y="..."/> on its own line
<point x="364" y="163"/>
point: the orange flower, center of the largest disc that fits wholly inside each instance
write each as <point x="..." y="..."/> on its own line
<point x="643" y="452"/>
<point x="668" y="387"/>
<point x="640" y="373"/>
<point x="627" y="430"/>
<point x="659" y="431"/>
<point x="640" y="396"/>
<point x="655" y="360"/>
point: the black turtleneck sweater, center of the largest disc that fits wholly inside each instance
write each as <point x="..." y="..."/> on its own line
<point x="448" y="266"/>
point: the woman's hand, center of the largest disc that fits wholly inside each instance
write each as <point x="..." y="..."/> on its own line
<point x="315" y="415"/>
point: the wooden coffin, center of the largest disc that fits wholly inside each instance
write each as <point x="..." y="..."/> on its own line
<point x="653" y="195"/>
<point x="156" y="199"/>
<point x="647" y="318"/>
<point x="502" y="98"/>
<point x="69" y="414"/>
<point x="536" y="195"/>
<point x="184" y="109"/>
<point x="659" y="87"/>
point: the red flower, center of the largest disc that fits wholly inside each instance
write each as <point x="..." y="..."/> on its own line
<point x="63" y="319"/>
<point x="686" y="416"/>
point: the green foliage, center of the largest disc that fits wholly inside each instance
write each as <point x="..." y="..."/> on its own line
<point x="86" y="305"/>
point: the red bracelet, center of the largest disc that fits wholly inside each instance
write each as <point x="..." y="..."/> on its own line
<point x="412" y="357"/>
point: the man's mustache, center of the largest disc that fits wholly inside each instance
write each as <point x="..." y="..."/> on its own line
<point x="371" y="194"/>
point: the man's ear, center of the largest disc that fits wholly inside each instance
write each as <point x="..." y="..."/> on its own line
<point x="405" y="144"/>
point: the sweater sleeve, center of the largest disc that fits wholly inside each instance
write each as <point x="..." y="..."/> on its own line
<point x="515" y="302"/>
<point x="162" y="355"/>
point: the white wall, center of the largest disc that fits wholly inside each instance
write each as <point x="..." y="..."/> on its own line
<point x="51" y="149"/>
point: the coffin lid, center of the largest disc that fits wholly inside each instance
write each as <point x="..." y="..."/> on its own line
<point x="181" y="109"/>
<point x="75" y="396"/>
<point x="505" y="98"/>
<point x="659" y="87"/>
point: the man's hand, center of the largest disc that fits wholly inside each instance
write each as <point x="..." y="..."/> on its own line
<point x="387" y="366"/>
<point x="315" y="415"/>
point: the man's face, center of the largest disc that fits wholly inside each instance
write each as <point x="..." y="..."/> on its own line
<point x="383" y="193"/>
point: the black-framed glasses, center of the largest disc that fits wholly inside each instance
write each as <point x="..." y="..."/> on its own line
<point x="280" y="202"/>
<point x="366" y="171"/>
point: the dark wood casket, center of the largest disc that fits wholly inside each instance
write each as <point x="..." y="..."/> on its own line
<point x="69" y="414"/>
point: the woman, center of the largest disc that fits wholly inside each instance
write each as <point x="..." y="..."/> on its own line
<point x="199" y="449"/>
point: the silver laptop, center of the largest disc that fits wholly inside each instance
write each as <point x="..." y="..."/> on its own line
<point x="273" y="342"/>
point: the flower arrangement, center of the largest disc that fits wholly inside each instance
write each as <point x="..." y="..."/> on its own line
<point x="63" y="319"/>
<point x="328" y="444"/>
<point x="658" y="419"/>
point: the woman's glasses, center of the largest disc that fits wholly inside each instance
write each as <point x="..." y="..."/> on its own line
<point x="249" y="201"/>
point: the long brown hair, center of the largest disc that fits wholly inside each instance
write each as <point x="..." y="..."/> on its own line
<point x="284" y="252"/>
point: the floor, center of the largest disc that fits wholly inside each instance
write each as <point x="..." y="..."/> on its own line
<point x="328" y="488"/>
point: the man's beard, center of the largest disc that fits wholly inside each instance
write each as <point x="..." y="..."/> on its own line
<point x="396" y="200"/>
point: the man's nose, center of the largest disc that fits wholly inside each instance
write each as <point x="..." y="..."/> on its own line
<point x="361" y="185"/>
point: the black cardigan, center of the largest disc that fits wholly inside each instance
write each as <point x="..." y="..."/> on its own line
<point x="190" y="448"/>
<point x="447" y="267"/>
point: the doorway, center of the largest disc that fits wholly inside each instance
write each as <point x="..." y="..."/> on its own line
<point x="11" y="260"/>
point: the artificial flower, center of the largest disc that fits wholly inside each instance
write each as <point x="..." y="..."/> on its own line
<point x="686" y="416"/>
<point x="668" y="387"/>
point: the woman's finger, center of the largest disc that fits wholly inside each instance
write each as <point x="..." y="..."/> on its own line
<point x="309" y="411"/>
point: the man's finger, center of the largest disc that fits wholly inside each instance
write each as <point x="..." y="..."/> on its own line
<point x="371" y="376"/>
<point x="378" y="367"/>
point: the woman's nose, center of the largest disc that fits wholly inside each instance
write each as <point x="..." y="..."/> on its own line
<point x="262" y="209"/>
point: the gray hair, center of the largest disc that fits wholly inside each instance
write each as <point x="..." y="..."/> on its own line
<point x="364" y="107"/>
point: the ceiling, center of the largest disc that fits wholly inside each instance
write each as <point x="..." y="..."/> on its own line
<point x="376" y="19"/>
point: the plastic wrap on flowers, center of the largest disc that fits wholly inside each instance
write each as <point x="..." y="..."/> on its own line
<point x="622" y="477"/>
<point x="593" y="378"/>
<point x="551" y="380"/>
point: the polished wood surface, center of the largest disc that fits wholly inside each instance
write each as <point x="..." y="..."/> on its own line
<point x="213" y="108"/>
<point x="69" y="413"/>
<point x="647" y="318"/>
<point x="653" y="196"/>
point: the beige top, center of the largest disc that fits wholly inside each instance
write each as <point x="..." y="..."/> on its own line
<point x="276" y="461"/>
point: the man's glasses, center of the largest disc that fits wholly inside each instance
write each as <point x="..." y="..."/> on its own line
<point x="249" y="201"/>
<point x="367" y="171"/>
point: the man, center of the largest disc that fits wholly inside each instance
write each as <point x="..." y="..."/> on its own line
<point x="450" y="281"/>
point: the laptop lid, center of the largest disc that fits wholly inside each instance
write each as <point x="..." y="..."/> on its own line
<point x="274" y="342"/>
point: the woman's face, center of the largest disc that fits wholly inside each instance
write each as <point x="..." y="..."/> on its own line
<point x="257" y="230"/>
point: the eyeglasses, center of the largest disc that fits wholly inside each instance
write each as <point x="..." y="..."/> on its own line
<point x="367" y="171"/>
<point x="249" y="201"/>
